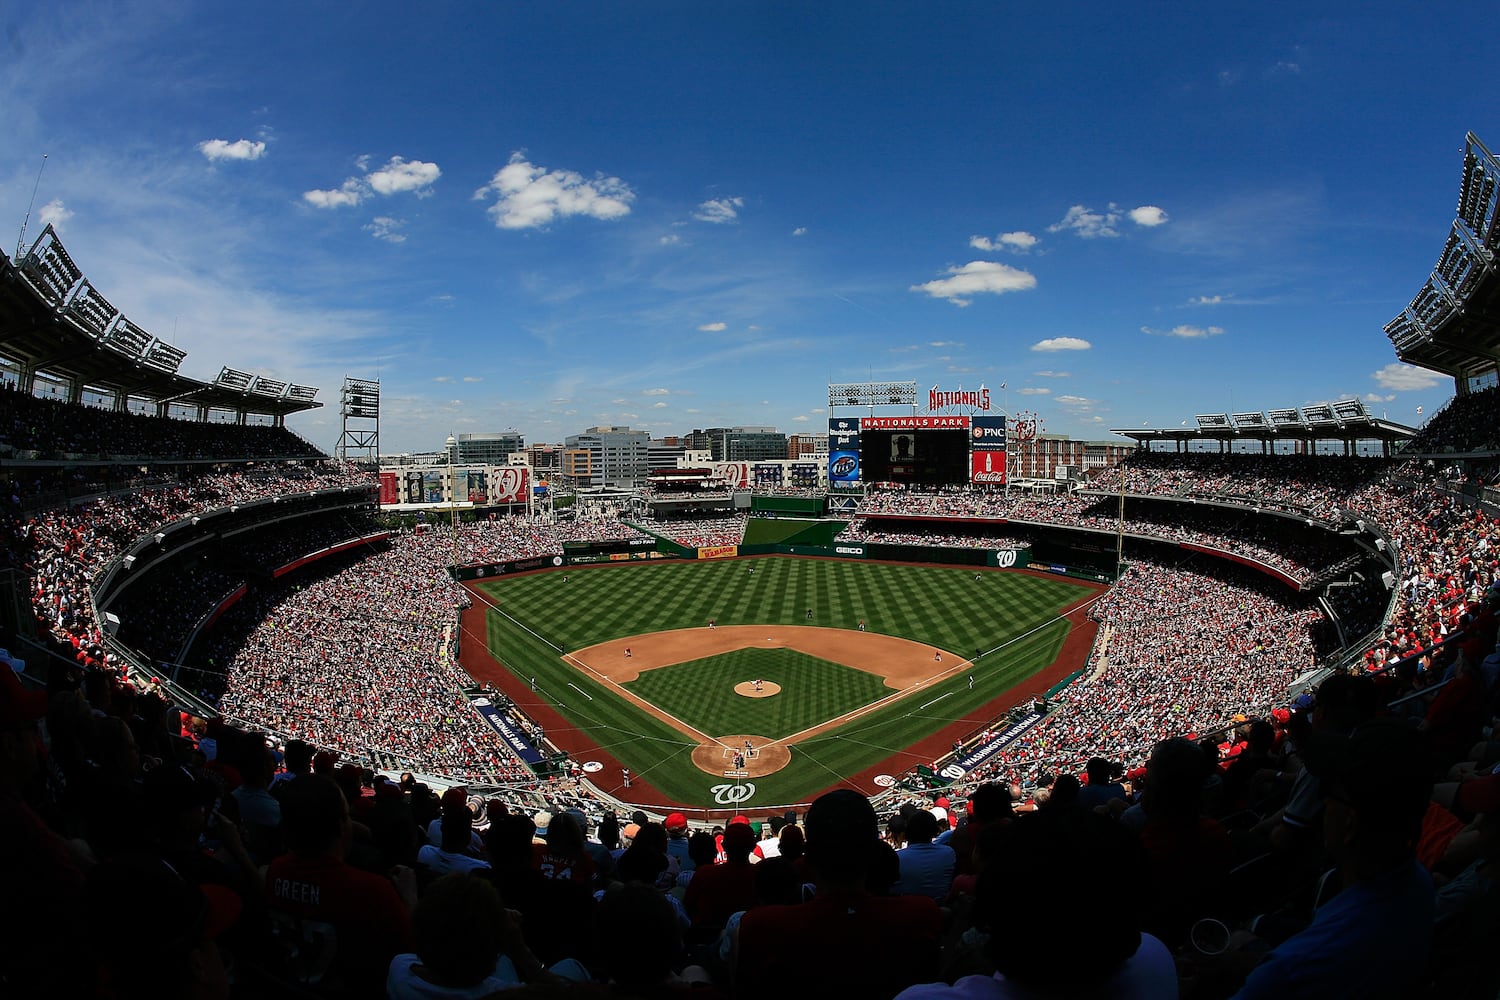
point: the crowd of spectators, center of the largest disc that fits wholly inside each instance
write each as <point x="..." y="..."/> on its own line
<point x="1467" y="423"/>
<point x="1185" y="647"/>
<point x="1336" y="849"/>
<point x="34" y="427"/>
<point x="358" y="660"/>
<point x="1303" y="554"/>
<point x="61" y="551"/>
<point x="699" y="532"/>
<point x="1169" y="794"/>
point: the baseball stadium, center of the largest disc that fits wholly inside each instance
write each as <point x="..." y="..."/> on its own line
<point x="198" y="595"/>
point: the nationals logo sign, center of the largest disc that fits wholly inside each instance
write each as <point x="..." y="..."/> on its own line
<point x="728" y="795"/>
<point x="508" y="484"/>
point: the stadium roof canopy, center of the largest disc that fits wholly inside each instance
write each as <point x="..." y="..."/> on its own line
<point x="55" y="323"/>
<point x="1453" y="324"/>
<point x="1346" y="420"/>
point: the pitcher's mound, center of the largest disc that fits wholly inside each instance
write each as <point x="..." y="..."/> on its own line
<point x="767" y="688"/>
<point x="717" y="758"/>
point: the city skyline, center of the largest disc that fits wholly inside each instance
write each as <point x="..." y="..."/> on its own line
<point x="670" y="217"/>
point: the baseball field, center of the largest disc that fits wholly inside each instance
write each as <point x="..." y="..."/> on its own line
<point x="783" y="695"/>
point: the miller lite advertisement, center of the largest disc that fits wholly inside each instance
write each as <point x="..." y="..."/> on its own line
<point x="843" y="452"/>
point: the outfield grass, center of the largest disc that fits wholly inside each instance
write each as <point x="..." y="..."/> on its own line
<point x="1010" y="617"/>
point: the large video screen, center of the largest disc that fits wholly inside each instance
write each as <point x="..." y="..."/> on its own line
<point x="924" y="451"/>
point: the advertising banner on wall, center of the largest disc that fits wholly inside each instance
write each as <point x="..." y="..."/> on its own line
<point x="987" y="467"/>
<point x="843" y="452"/>
<point x="804" y="474"/>
<point x="736" y="474"/>
<point x="768" y="473"/>
<point x="508" y="484"/>
<point x="390" y="489"/>
<point x="987" y="450"/>
<point x="913" y="423"/>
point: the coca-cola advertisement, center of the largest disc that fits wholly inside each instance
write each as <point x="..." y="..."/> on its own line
<point x="987" y="467"/>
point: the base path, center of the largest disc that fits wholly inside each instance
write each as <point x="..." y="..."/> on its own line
<point x="902" y="663"/>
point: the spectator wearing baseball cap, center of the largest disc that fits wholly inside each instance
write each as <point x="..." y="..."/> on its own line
<point x="677" y="840"/>
<point x="719" y="890"/>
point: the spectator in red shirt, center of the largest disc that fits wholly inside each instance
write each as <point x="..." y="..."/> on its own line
<point x="717" y="891"/>
<point x="844" y="941"/>
<point x="311" y="885"/>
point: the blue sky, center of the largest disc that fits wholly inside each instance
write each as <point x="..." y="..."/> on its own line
<point x="678" y="215"/>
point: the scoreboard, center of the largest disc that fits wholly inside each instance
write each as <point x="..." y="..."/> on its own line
<point x="918" y="450"/>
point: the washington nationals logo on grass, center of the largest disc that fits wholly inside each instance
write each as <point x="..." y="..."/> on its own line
<point x="728" y="795"/>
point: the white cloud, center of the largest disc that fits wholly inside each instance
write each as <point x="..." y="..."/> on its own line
<point x="383" y="227"/>
<point x="1148" y="215"/>
<point x="1206" y="300"/>
<point x="1075" y="400"/>
<point x="531" y="197"/>
<point x="1088" y="223"/>
<point x="347" y="195"/>
<point x="670" y="240"/>
<point x="712" y="327"/>
<point x="403" y="175"/>
<point x="800" y="418"/>
<point x="656" y="392"/>
<point x="473" y="378"/>
<point x="1091" y="224"/>
<point x="1049" y="374"/>
<point x="658" y="406"/>
<point x="397" y="176"/>
<point x="442" y="378"/>
<point x="54" y="213"/>
<point x="1186" y="331"/>
<point x="800" y="231"/>
<point x="719" y="210"/>
<point x="1016" y="242"/>
<point x="1405" y="378"/>
<point x="1062" y="344"/>
<point x="1034" y="391"/>
<point x="975" y="278"/>
<point x="215" y="150"/>
<point x="1375" y="397"/>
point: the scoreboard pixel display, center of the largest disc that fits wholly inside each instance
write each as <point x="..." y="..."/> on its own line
<point x="925" y="450"/>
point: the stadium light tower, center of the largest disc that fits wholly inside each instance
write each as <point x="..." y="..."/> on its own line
<point x="359" y="401"/>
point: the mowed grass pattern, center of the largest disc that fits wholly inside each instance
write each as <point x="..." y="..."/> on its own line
<point x="812" y="691"/>
<point x="1010" y="617"/>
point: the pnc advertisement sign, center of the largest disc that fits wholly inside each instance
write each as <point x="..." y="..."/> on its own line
<point x="987" y="434"/>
